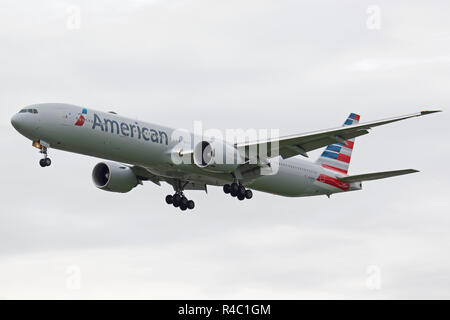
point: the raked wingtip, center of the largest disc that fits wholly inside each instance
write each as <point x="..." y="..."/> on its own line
<point x="422" y="113"/>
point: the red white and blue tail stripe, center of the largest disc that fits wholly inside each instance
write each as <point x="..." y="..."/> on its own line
<point x="337" y="156"/>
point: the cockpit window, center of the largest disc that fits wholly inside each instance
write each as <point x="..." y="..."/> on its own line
<point x="33" y="111"/>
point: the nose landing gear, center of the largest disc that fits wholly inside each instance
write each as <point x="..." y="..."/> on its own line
<point x="46" y="161"/>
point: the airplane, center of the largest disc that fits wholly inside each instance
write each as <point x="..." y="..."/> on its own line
<point x="136" y="151"/>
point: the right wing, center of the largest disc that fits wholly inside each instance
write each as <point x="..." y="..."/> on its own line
<point x="144" y="175"/>
<point x="375" y="175"/>
<point x="290" y="146"/>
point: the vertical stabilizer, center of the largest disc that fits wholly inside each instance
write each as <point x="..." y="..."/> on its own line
<point x="337" y="156"/>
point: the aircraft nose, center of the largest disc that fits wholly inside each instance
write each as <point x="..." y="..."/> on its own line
<point x="26" y="122"/>
<point x="15" y="121"/>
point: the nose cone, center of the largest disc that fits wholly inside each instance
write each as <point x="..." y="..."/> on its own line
<point x="26" y="124"/>
<point x="15" y="121"/>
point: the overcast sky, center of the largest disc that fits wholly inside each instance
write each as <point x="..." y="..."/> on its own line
<point x="296" y="66"/>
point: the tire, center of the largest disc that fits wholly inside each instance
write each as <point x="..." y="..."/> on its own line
<point x="42" y="163"/>
<point x="241" y="197"/>
<point x="184" y="202"/>
<point x="241" y="191"/>
<point x="234" y="188"/>
<point x="191" y="205"/>
<point x="177" y="198"/>
<point x="48" y="162"/>
<point x="227" y="188"/>
<point x="248" y="194"/>
<point x="183" y="207"/>
<point x="233" y="194"/>
<point x="169" y="199"/>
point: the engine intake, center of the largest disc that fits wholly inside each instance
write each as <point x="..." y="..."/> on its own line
<point x="216" y="156"/>
<point x="113" y="177"/>
<point x="203" y="154"/>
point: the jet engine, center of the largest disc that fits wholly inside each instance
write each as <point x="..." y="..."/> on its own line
<point x="113" y="177"/>
<point x="217" y="156"/>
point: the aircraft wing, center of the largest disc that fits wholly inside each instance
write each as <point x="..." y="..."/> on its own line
<point x="290" y="146"/>
<point x="375" y="175"/>
<point x="144" y="175"/>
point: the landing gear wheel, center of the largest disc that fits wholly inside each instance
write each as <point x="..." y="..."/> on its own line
<point x="241" y="191"/>
<point x="227" y="188"/>
<point x="42" y="163"/>
<point x="191" y="205"/>
<point x="248" y="194"/>
<point x="46" y="162"/>
<point x="233" y="193"/>
<point x="234" y="188"/>
<point x="169" y="199"/>
<point x="184" y="202"/>
<point x="176" y="198"/>
<point x="183" y="207"/>
<point x="241" y="197"/>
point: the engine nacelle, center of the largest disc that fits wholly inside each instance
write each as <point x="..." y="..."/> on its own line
<point x="113" y="177"/>
<point x="217" y="156"/>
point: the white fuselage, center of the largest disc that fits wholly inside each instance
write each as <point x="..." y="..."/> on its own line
<point x="112" y="137"/>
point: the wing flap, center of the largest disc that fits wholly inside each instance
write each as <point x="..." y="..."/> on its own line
<point x="375" y="175"/>
<point x="143" y="174"/>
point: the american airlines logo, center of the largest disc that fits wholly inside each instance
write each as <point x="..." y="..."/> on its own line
<point x="129" y="130"/>
<point x="81" y="118"/>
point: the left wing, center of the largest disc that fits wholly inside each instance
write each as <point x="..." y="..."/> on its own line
<point x="293" y="145"/>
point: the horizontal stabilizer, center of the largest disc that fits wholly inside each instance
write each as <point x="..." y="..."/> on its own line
<point x="375" y="175"/>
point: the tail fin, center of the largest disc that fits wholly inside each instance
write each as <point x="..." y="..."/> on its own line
<point x="337" y="156"/>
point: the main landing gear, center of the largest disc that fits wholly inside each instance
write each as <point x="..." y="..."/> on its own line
<point x="178" y="200"/>
<point x="46" y="161"/>
<point x="238" y="190"/>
